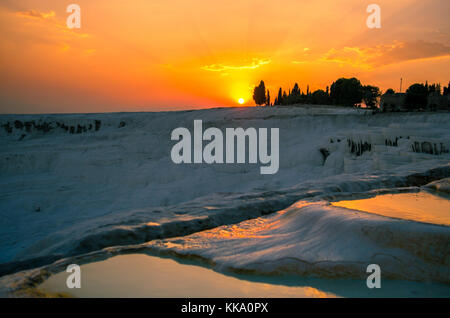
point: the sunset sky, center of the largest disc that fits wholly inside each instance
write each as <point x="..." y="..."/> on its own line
<point x="146" y="55"/>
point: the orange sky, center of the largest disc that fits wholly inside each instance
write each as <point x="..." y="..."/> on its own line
<point x="145" y="55"/>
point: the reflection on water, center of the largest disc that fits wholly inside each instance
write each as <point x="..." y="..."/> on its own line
<point x="141" y="275"/>
<point x="422" y="207"/>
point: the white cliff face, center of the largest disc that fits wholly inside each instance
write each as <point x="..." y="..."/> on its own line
<point x="114" y="183"/>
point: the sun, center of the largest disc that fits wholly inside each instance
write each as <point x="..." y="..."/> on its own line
<point x="241" y="101"/>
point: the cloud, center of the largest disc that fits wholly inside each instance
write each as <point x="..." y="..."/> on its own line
<point x="34" y="14"/>
<point x="47" y="28"/>
<point x="222" y="67"/>
<point x="380" y="55"/>
<point x="411" y="51"/>
<point x="300" y="62"/>
<point x="347" y="55"/>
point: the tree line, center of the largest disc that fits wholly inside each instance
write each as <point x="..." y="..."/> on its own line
<point x="417" y="94"/>
<point x="343" y="92"/>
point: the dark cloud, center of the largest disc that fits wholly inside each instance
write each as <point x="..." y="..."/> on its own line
<point x="380" y="55"/>
<point x="405" y="51"/>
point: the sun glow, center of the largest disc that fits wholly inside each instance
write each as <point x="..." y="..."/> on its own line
<point x="201" y="56"/>
<point x="241" y="101"/>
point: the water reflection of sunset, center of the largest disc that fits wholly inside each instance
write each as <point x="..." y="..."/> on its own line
<point x="422" y="207"/>
<point x="139" y="275"/>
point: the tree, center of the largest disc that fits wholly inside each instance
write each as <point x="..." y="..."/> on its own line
<point x="280" y="97"/>
<point x="434" y="88"/>
<point x="259" y="94"/>
<point x="346" y="91"/>
<point x="319" y="97"/>
<point x="370" y="95"/>
<point x="446" y="90"/>
<point x="389" y="91"/>
<point x="268" y="98"/>
<point x="416" y="96"/>
<point x="296" y="90"/>
<point x="284" y="99"/>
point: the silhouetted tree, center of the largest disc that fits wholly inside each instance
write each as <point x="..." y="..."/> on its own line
<point x="433" y="88"/>
<point x="280" y="97"/>
<point x="346" y="91"/>
<point x="319" y="97"/>
<point x="370" y="95"/>
<point x="416" y="96"/>
<point x="446" y="90"/>
<point x="295" y="90"/>
<point x="259" y="94"/>
<point x="284" y="100"/>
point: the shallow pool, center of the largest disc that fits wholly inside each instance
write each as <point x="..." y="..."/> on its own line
<point x="141" y="275"/>
<point x="421" y="206"/>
